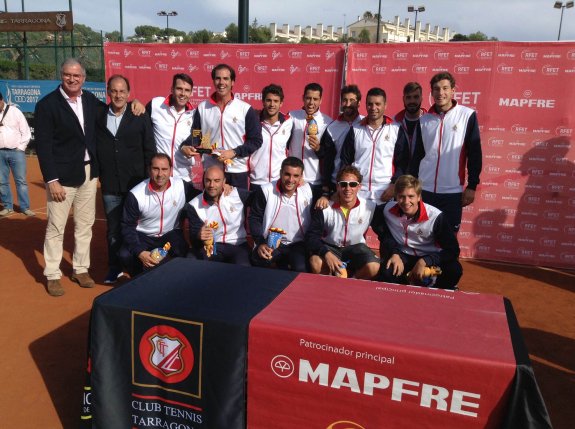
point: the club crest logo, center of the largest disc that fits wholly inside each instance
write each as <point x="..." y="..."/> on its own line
<point x="166" y="353"/>
<point x="61" y="20"/>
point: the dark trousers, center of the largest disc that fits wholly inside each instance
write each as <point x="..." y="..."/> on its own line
<point x="238" y="180"/>
<point x="114" y="207"/>
<point x="450" y="275"/>
<point x="179" y="248"/>
<point x="225" y="252"/>
<point x="290" y="257"/>
<point x="449" y="204"/>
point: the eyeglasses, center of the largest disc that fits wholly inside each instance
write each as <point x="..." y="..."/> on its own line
<point x="345" y="184"/>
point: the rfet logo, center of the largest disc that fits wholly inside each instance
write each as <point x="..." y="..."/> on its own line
<point x="114" y="64"/>
<point x="312" y="68"/>
<point x="358" y="55"/>
<point x="441" y="55"/>
<point x="296" y="55"/>
<point x="482" y="54"/>
<point x="563" y="131"/>
<point x="529" y="55"/>
<point x="400" y="55"/>
<point x="419" y="69"/>
<point x="166" y="354"/>
<point x="378" y="69"/>
<point x="518" y="129"/>
<point x="570" y="55"/>
<point x="243" y="55"/>
<point x="461" y="69"/>
<point x="282" y="366"/>
<point x="192" y="53"/>
<point x="550" y="70"/>
<point x="345" y="424"/>
<point x="504" y="69"/>
<point x="143" y="52"/>
<point x="161" y="66"/>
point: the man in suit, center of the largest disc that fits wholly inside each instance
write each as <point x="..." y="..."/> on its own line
<point x="124" y="146"/>
<point x="65" y="122"/>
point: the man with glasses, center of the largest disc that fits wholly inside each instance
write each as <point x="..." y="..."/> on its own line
<point x="335" y="133"/>
<point x="377" y="148"/>
<point x="336" y="236"/>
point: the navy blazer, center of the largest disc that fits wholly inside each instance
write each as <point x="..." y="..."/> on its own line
<point x="124" y="159"/>
<point x="60" y="141"/>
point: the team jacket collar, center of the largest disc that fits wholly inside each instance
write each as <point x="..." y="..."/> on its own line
<point x="420" y="216"/>
<point x="338" y="205"/>
<point x="386" y="120"/>
<point x="213" y="100"/>
<point x="153" y="190"/>
<point x="433" y="109"/>
<point x="168" y="102"/>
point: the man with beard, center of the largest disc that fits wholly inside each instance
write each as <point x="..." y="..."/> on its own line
<point x="265" y="163"/>
<point x="377" y="148"/>
<point x="309" y="126"/>
<point x="337" y="234"/>
<point x="282" y="205"/>
<point x="152" y="216"/>
<point x="409" y="116"/>
<point x="334" y="136"/>
<point x="413" y="236"/>
<point x="217" y="221"/>
<point x="172" y="121"/>
<point x="230" y="125"/>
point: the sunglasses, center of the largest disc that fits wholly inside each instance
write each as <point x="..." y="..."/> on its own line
<point x="345" y="184"/>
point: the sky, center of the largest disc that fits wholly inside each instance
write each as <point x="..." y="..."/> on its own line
<point x="507" y="20"/>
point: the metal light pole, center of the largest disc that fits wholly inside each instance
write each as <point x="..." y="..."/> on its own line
<point x="167" y="15"/>
<point x="121" y="23"/>
<point x="416" y="10"/>
<point x="378" y="21"/>
<point x="560" y="5"/>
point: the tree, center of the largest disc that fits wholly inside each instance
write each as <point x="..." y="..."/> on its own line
<point x="459" y="38"/>
<point x="202" y="36"/>
<point x="113" y="36"/>
<point x="232" y="33"/>
<point x="363" y="36"/>
<point x="478" y="36"/>
<point x="259" y="33"/>
<point x="367" y="15"/>
<point x="147" y="31"/>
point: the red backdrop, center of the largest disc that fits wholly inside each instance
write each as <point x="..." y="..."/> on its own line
<point x="525" y="208"/>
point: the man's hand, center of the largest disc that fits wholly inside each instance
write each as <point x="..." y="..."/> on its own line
<point x="388" y="193"/>
<point x="57" y="192"/>
<point x="313" y="142"/>
<point x="206" y="233"/>
<point x="188" y="151"/>
<point x="417" y="271"/>
<point x="226" y="154"/>
<point x="228" y="189"/>
<point x="147" y="260"/>
<point x="265" y="251"/>
<point x="396" y="263"/>
<point x="138" y="108"/>
<point x="322" y="203"/>
<point x="332" y="262"/>
<point x="468" y="197"/>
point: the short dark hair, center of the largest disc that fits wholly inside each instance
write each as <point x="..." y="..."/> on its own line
<point x="411" y="86"/>
<point x="313" y="87"/>
<point x="405" y="182"/>
<point x="292" y="161"/>
<point x="161" y="155"/>
<point x="224" y="66"/>
<point x="118" y="76"/>
<point x="274" y="89"/>
<point x="442" y="76"/>
<point x="182" y="76"/>
<point x="348" y="169"/>
<point x="376" y="92"/>
<point x="350" y="89"/>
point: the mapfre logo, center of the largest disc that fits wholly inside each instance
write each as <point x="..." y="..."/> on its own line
<point x="345" y="424"/>
<point x="166" y="354"/>
<point x="282" y="366"/>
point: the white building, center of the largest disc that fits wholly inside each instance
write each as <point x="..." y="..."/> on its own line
<point x="287" y="35"/>
<point x="395" y="31"/>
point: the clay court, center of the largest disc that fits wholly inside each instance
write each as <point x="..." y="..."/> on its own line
<point x="45" y="338"/>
